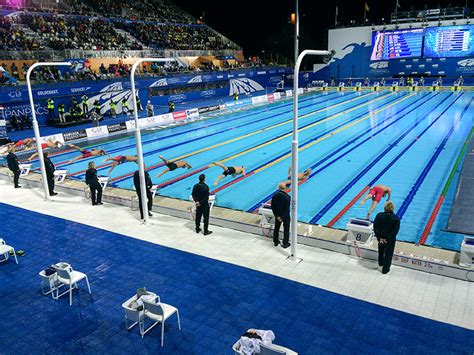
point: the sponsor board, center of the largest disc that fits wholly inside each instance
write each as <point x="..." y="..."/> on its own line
<point x="75" y="135"/>
<point x="289" y="92"/>
<point x="270" y="97"/>
<point x="180" y="115"/>
<point x="130" y="125"/>
<point x="97" y="131"/>
<point x="276" y="96"/>
<point x="117" y="127"/>
<point x="192" y="113"/>
<point x="53" y="138"/>
<point x="47" y="92"/>
<point x="203" y="109"/>
<point x="259" y="99"/>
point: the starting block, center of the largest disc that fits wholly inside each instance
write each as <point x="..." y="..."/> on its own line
<point x="360" y="231"/>
<point x="103" y="181"/>
<point x="394" y="86"/>
<point x="358" y="86"/>
<point x="341" y="86"/>
<point x="466" y="258"/>
<point x="25" y="169"/>
<point x="267" y="219"/>
<point x="154" y="189"/>
<point x="60" y="176"/>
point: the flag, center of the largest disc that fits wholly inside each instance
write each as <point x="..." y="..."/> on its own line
<point x="335" y="19"/>
<point x="397" y="5"/>
<point x="366" y="8"/>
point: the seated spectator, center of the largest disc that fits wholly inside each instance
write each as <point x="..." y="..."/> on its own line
<point x="15" y="122"/>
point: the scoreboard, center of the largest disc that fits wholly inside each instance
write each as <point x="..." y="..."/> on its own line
<point x="397" y="44"/>
<point x="449" y="41"/>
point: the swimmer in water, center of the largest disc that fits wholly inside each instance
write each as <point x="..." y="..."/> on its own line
<point x="229" y="170"/>
<point x="120" y="160"/>
<point x="47" y="144"/>
<point x="173" y="165"/>
<point x="301" y="176"/>
<point x="376" y="193"/>
<point x="86" y="153"/>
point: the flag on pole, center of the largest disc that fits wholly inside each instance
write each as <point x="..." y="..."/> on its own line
<point x="366" y="9"/>
<point x="335" y="19"/>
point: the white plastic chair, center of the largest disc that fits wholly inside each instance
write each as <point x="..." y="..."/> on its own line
<point x="5" y="251"/>
<point x="67" y="276"/>
<point x="133" y="315"/>
<point x="159" y="313"/>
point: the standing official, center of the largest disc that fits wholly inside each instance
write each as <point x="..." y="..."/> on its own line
<point x="386" y="227"/>
<point x="94" y="185"/>
<point x="14" y="166"/>
<point x="149" y="109"/>
<point x="50" y="169"/>
<point x="281" y="210"/>
<point x="149" y="194"/>
<point x="50" y="106"/>
<point x="201" y="198"/>
<point x="85" y="104"/>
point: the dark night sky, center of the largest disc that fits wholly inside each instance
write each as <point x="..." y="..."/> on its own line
<point x="263" y="24"/>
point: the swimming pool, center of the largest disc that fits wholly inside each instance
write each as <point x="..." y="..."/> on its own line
<point x="406" y="140"/>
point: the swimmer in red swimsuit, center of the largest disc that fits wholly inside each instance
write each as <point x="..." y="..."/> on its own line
<point x="47" y="144"/>
<point x="120" y="160"/>
<point x="86" y="153"/>
<point x="376" y="193"/>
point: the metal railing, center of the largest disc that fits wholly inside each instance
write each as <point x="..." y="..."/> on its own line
<point x="452" y="13"/>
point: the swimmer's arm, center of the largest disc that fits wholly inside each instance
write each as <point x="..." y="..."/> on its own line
<point x="389" y="192"/>
<point x="218" y="179"/>
<point x="365" y="199"/>
<point x="221" y="165"/>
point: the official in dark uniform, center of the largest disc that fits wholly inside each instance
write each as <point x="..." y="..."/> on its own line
<point x="149" y="194"/>
<point x="386" y="227"/>
<point x="14" y="166"/>
<point x="49" y="173"/>
<point x="201" y="198"/>
<point x="281" y="210"/>
<point x="94" y="185"/>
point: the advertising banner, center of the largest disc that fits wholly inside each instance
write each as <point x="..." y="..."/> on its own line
<point x="180" y="115"/>
<point x="117" y="127"/>
<point x="192" y="113"/>
<point x="74" y="135"/>
<point x="95" y="132"/>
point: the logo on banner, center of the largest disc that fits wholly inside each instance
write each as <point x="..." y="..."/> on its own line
<point x="379" y="65"/>
<point x="47" y="92"/>
<point x="74" y="90"/>
<point x="203" y="109"/>
<point x="466" y="63"/>
<point x="117" y="127"/>
<point x="161" y="82"/>
<point x="208" y="93"/>
<point x="74" y="135"/>
<point x="243" y="86"/>
<point x="194" y="112"/>
<point x="178" y="97"/>
<point x="14" y="94"/>
<point x="196" y="79"/>
<point x="181" y="115"/>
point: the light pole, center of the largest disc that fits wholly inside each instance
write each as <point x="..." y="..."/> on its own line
<point x="35" y="122"/>
<point x="138" y="136"/>
<point x="294" y="149"/>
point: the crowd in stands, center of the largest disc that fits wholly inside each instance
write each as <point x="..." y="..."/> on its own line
<point x="163" y="36"/>
<point x="66" y="32"/>
<point x="13" y="38"/>
<point x="158" y="10"/>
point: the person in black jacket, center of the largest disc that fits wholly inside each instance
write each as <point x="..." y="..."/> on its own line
<point x="386" y="227"/>
<point x="93" y="182"/>
<point x="149" y="194"/>
<point x="201" y="198"/>
<point x="281" y="211"/>
<point x="14" y="166"/>
<point x="49" y="173"/>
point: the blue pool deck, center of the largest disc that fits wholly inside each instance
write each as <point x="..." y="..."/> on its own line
<point x="222" y="284"/>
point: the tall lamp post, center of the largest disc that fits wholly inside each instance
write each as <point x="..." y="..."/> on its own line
<point x="35" y="122"/>
<point x="138" y="136"/>
<point x="294" y="149"/>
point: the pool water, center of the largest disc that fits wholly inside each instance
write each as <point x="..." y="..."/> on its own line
<point x="406" y="140"/>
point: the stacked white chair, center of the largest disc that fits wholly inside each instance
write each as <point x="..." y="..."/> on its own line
<point x="69" y="277"/>
<point x="158" y="313"/>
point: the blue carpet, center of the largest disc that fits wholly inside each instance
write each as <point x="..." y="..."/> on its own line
<point x="217" y="301"/>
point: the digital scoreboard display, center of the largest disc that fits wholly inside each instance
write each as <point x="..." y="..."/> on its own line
<point x="397" y="44"/>
<point x="449" y="41"/>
